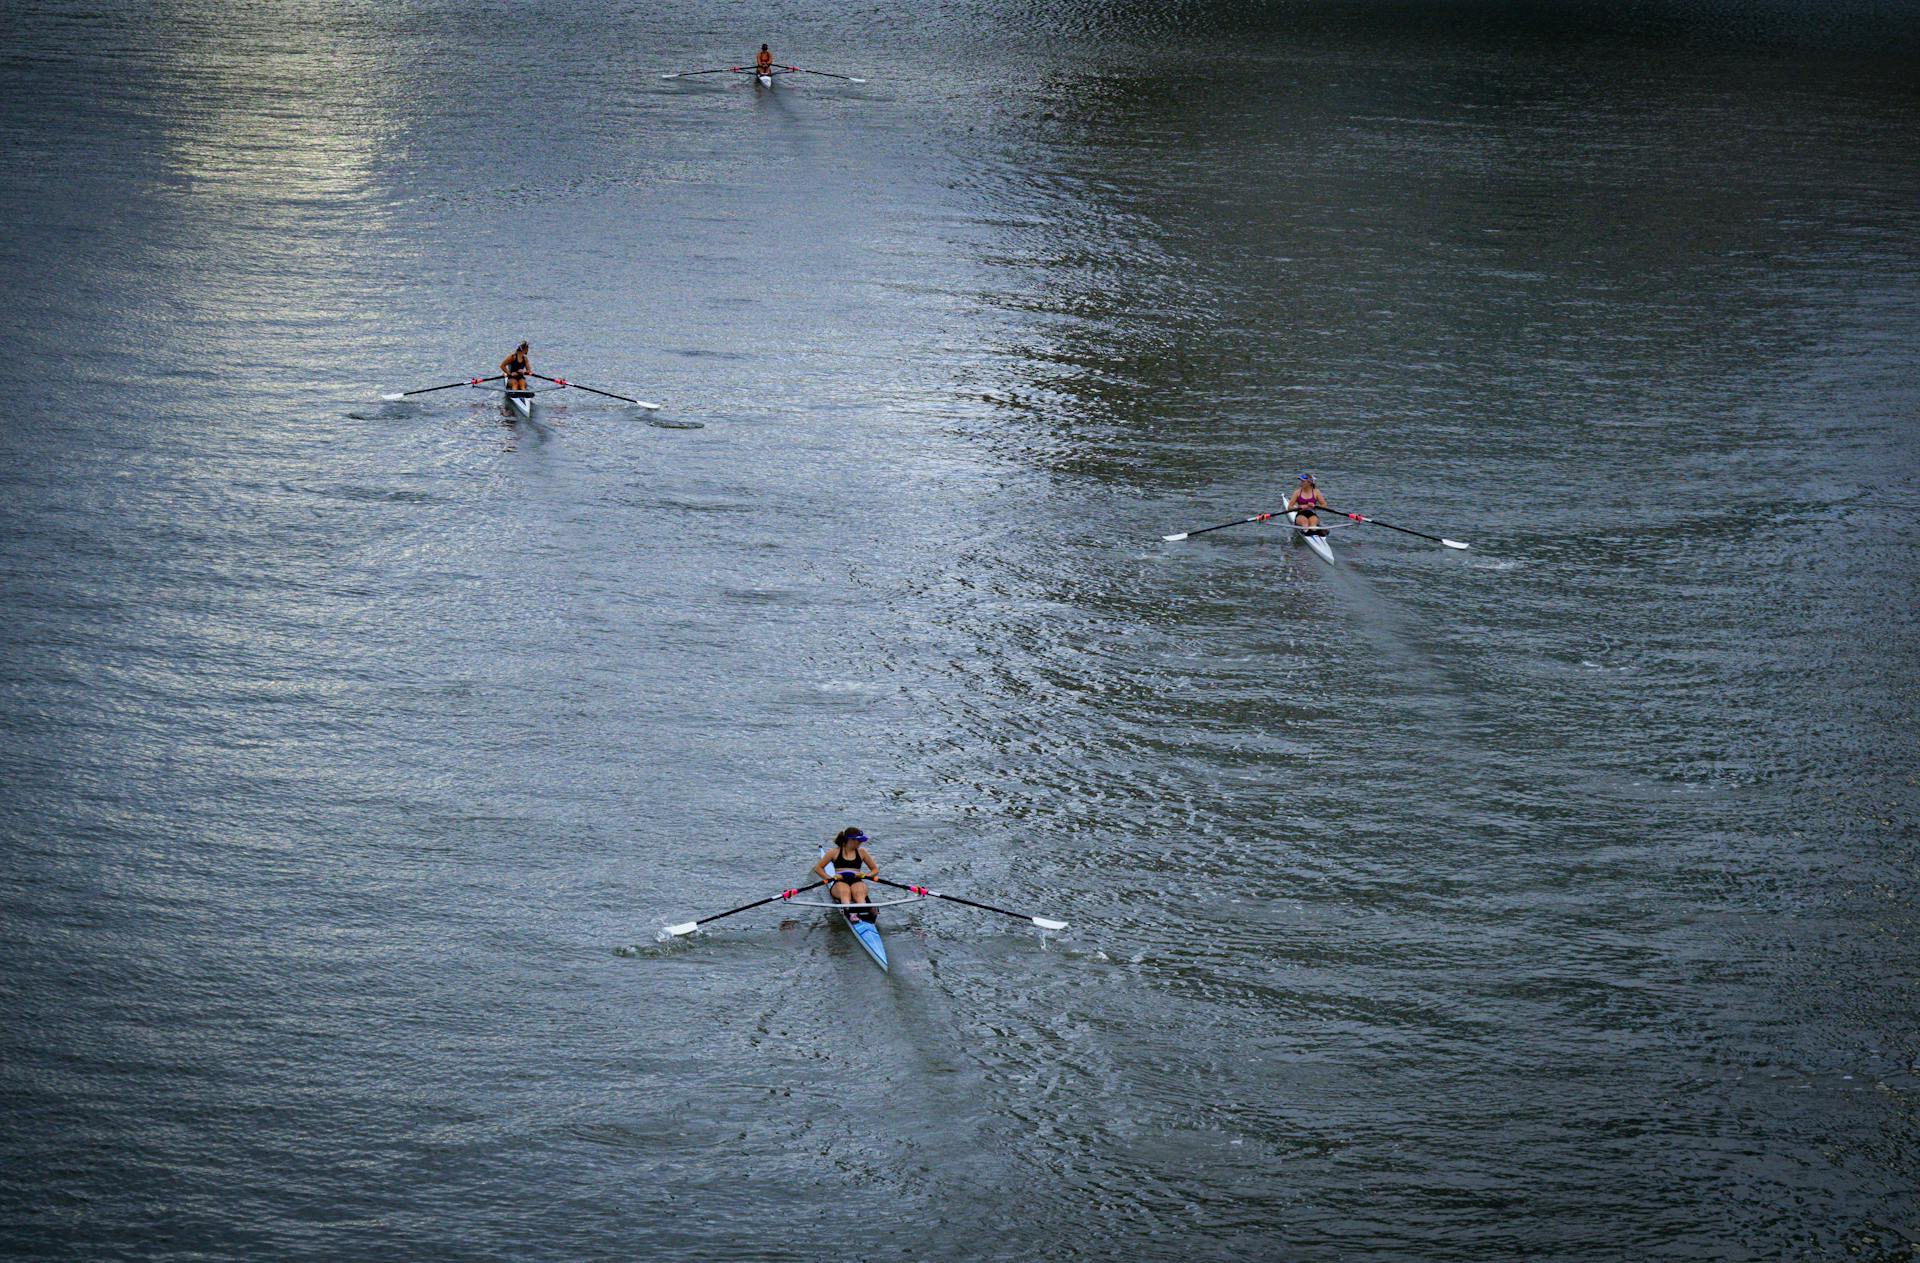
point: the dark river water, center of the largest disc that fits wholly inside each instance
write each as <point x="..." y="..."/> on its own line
<point x="1553" y="899"/>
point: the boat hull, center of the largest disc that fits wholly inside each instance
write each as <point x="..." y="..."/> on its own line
<point x="865" y="932"/>
<point x="868" y="936"/>
<point x="518" y="405"/>
<point x="1321" y="548"/>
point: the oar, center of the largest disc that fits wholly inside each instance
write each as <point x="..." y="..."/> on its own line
<point x="1450" y="543"/>
<point x="561" y="381"/>
<point x="427" y="390"/>
<point x="678" y="930"/>
<point x="720" y="70"/>
<point x="827" y="74"/>
<point x="1239" y="521"/>
<point x="1042" y="922"/>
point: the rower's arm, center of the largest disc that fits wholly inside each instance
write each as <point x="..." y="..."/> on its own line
<point x="873" y="869"/>
<point x="820" y="866"/>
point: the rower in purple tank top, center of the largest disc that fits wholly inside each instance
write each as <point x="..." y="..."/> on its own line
<point x="1305" y="504"/>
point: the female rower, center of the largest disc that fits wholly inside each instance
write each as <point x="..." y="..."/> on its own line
<point x="516" y="368"/>
<point x="839" y="867"/>
<point x="763" y="64"/>
<point x="1304" y="504"/>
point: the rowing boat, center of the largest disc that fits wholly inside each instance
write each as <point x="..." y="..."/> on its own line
<point x="868" y="935"/>
<point x="518" y="405"/>
<point x="765" y="80"/>
<point x="865" y="931"/>
<point x="1318" y="543"/>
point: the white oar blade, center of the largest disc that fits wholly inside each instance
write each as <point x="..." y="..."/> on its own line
<point x="1174" y="539"/>
<point x="676" y="931"/>
<point x="1045" y="924"/>
<point x="650" y="407"/>
<point x="398" y="394"/>
<point x="1453" y="543"/>
<point x="851" y="79"/>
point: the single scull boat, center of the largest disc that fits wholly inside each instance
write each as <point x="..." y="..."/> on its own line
<point x="764" y="78"/>
<point x="865" y="929"/>
<point x="519" y="403"/>
<point x="1315" y="542"/>
<point x="868" y="935"/>
<point x="865" y="932"/>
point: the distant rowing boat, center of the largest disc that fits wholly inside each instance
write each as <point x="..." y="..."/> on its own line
<point x="865" y="932"/>
<point x="519" y="405"/>
<point x="765" y="79"/>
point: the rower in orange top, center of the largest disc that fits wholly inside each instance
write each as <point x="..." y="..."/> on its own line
<point x="1304" y="504"/>
<point x="516" y="368"/>
<point x="763" y="64"/>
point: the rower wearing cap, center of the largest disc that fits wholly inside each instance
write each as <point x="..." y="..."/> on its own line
<point x="839" y="867"/>
<point x="763" y="64"/>
<point x="1304" y="504"/>
<point x="516" y="367"/>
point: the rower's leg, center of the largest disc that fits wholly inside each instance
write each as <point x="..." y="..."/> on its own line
<point x="860" y="896"/>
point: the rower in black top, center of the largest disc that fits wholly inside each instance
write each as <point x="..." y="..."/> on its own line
<point x="516" y="367"/>
<point x="840" y="866"/>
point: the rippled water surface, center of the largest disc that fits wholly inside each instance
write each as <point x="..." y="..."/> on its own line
<point x="1553" y="899"/>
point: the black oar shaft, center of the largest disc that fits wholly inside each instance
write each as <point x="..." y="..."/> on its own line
<point x="561" y="381"/>
<point x="1359" y="517"/>
<point x="471" y="381"/>
<point x="1258" y="517"/>
<point x="785" y="894"/>
<point x="984" y="907"/>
